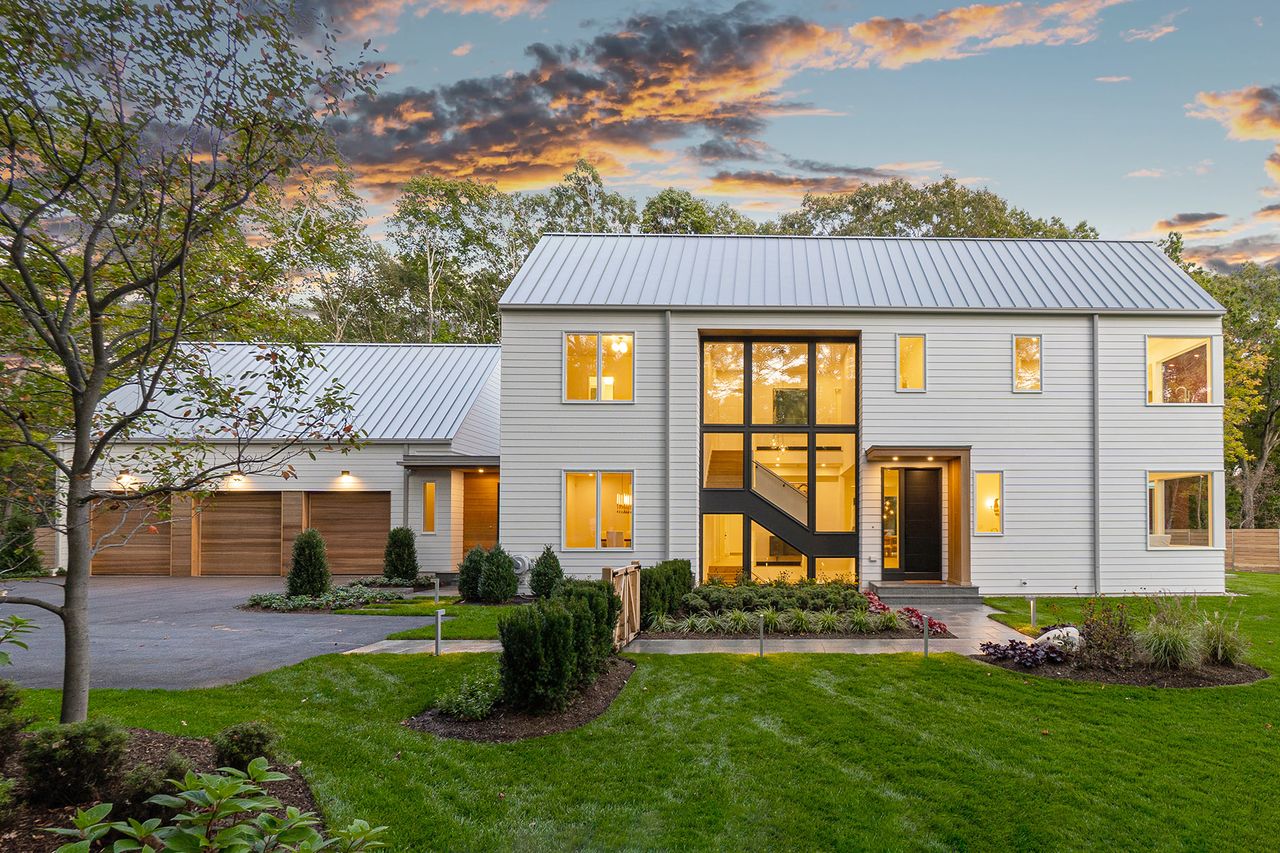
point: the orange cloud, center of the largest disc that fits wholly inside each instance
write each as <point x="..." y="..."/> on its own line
<point x="1269" y="213"/>
<point x="1190" y="222"/>
<point x="1158" y="30"/>
<point x="1263" y="250"/>
<point x="496" y="8"/>
<point x="1114" y="78"/>
<point x="462" y="49"/>
<point x="1251" y="113"/>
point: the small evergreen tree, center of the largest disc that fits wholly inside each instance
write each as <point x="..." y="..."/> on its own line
<point x="309" y="571"/>
<point x="498" y="580"/>
<point x="469" y="574"/>
<point x="400" y="562"/>
<point x="546" y="573"/>
<point x="18" y="552"/>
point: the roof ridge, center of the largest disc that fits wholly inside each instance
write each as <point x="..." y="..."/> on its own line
<point x="852" y="237"/>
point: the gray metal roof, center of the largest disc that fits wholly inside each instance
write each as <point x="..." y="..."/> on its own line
<point x="398" y="392"/>
<point x="863" y="273"/>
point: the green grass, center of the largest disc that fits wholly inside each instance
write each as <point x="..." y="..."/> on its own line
<point x="720" y="752"/>
<point x="1053" y="610"/>
<point x="462" y="622"/>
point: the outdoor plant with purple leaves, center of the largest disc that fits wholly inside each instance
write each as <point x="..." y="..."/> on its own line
<point x="916" y="620"/>
<point x="1029" y="655"/>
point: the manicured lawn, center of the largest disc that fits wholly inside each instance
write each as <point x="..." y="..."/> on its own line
<point x="787" y="752"/>
<point x="463" y="621"/>
<point x="1052" y="611"/>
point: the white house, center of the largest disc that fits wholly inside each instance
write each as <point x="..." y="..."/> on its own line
<point x="1014" y="416"/>
<point x="429" y="417"/>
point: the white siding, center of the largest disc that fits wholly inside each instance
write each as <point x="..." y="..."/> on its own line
<point x="477" y="435"/>
<point x="1042" y="442"/>
<point x="436" y="551"/>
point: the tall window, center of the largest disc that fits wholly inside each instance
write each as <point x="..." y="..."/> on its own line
<point x="1180" y="509"/>
<point x="911" y="363"/>
<point x="428" y="507"/>
<point x="1026" y="364"/>
<point x="779" y="383"/>
<point x="599" y="367"/>
<point x="722" y="381"/>
<point x="988" y="498"/>
<point x="1179" y="371"/>
<point x="598" y="509"/>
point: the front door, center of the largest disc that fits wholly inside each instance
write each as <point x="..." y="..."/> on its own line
<point x="913" y="524"/>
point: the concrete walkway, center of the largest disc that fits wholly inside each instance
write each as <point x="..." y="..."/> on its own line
<point x="969" y="624"/>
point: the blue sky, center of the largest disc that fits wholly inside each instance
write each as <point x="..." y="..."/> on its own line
<point x="1136" y="115"/>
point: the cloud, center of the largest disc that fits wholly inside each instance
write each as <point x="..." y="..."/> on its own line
<point x="1263" y="250"/>
<point x="1145" y="173"/>
<point x="496" y="8"/>
<point x="1158" y="30"/>
<point x="1189" y="221"/>
<point x="1270" y="212"/>
<point x="367" y="18"/>
<point x="1251" y="113"/>
<point x="771" y="183"/>
<point x="1114" y="78"/>
<point x="462" y="49"/>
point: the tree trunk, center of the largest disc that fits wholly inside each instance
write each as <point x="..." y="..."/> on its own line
<point x="75" y="605"/>
<point x="1248" y="499"/>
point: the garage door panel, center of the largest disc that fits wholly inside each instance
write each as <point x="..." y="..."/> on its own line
<point x="354" y="526"/>
<point x="240" y="534"/>
<point x="131" y="540"/>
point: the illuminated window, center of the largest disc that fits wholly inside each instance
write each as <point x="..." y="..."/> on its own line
<point x="835" y="569"/>
<point x="780" y="383"/>
<point x="1180" y="510"/>
<point x="773" y="558"/>
<point x="428" y="507"/>
<point x="722" y="460"/>
<point x="837" y="383"/>
<point x="599" y="367"/>
<point x="780" y="471"/>
<point x="911" y="363"/>
<point x="1178" y="370"/>
<point x="722" y="547"/>
<point x="837" y="482"/>
<point x="1026" y="363"/>
<point x="722" y="382"/>
<point x="988" y="488"/>
<point x="598" y="509"/>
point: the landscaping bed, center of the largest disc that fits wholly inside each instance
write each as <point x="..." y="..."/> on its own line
<point x="24" y="829"/>
<point x="348" y="597"/>
<point x="894" y="634"/>
<point x="1207" y="675"/>
<point x="504" y="725"/>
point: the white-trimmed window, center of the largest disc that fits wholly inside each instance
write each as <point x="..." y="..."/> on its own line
<point x="1026" y="364"/>
<point x="599" y="367"/>
<point x="1180" y="509"/>
<point x="988" y="503"/>
<point x="912" y="371"/>
<point x="597" y="510"/>
<point x="429" y="507"/>
<point x="1179" y="371"/>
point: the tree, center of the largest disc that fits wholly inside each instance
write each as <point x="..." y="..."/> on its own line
<point x="674" y="211"/>
<point x="898" y="208"/>
<point x="136" y="138"/>
<point x="580" y="203"/>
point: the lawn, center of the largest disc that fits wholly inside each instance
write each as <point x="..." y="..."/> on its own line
<point x="462" y="621"/>
<point x="786" y="752"/>
<point x="1053" y="611"/>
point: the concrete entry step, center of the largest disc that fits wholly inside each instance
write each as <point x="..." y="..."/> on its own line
<point x="898" y="593"/>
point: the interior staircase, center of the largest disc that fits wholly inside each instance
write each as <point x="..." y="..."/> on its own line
<point x="898" y="593"/>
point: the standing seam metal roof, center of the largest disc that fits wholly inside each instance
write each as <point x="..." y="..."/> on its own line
<point x="862" y="273"/>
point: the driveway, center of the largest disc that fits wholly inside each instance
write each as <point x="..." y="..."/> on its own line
<point x="184" y="632"/>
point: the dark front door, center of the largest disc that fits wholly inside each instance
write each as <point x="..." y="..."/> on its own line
<point x="921" y="524"/>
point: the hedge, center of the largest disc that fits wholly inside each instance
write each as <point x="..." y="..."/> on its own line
<point x="663" y="586"/>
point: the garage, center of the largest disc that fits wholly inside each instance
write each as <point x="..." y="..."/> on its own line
<point x="354" y="526"/>
<point x="240" y="534"/>
<point x="128" y="542"/>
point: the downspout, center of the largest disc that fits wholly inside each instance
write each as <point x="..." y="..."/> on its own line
<point x="666" y="417"/>
<point x="404" y="493"/>
<point x="1097" y="463"/>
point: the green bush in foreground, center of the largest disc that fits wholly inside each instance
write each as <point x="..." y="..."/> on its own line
<point x="309" y="570"/>
<point x="498" y="579"/>
<point x="11" y="722"/>
<point x="537" y="662"/>
<point x="663" y="586"/>
<point x="239" y="744"/>
<point x="343" y="598"/>
<point x="400" y="560"/>
<point x="474" y="698"/>
<point x="545" y="574"/>
<point x="1221" y="640"/>
<point x="469" y="574"/>
<point x="69" y="764"/>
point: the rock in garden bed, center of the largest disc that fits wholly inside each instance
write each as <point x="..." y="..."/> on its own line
<point x="23" y="830"/>
<point x="503" y="725"/>
<point x="1208" y="675"/>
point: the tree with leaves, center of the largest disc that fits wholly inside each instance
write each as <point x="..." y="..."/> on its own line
<point x="676" y="211"/>
<point x="580" y="203"/>
<point x="136" y="139"/>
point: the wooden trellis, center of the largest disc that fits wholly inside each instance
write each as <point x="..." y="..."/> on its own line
<point x="626" y="583"/>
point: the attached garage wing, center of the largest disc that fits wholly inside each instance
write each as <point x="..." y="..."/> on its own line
<point x="240" y="534"/>
<point x="130" y="540"/>
<point x="354" y="526"/>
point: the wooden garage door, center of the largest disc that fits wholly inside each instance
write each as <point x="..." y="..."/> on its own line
<point x="133" y="545"/>
<point x="240" y="534"/>
<point x="354" y="526"/>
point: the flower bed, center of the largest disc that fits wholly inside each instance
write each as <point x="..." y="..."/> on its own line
<point x="338" y="598"/>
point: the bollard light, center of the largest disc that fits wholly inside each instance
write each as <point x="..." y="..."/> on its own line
<point x="439" y="616"/>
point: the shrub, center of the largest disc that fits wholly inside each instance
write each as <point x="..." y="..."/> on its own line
<point x="69" y="764"/>
<point x="858" y="621"/>
<point x="344" y="597"/>
<point x="885" y="620"/>
<point x="11" y="722"/>
<point x="915" y="619"/>
<point x="240" y="743"/>
<point x="469" y="574"/>
<point x="8" y="807"/>
<point x="826" y="622"/>
<point x="309" y="569"/>
<point x="1025" y="654"/>
<point x="737" y="622"/>
<point x="1107" y="635"/>
<point x="545" y="574"/>
<point x="400" y="560"/>
<point x="796" y="621"/>
<point x="145" y="781"/>
<point x="18" y="552"/>
<point x="1171" y="644"/>
<point x="498" y="580"/>
<point x="537" y="661"/>
<point x="474" y="697"/>
<point x="662" y="586"/>
<point x="1221" y="641"/>
<point x="772" y="620"/>
<point x="594" y="623"/>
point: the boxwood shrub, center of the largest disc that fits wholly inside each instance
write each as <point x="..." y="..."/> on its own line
<point x="498" y="580"/>
<point x="545" y="574"/>
<point x="662" y="586"/>
<point x="469" y="574"/>
<point x="400" y="560"/>
<point x="309" y="569"/>
<point x="69" y="764"/>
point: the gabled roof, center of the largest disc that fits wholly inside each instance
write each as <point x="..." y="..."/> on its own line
<point x="398" y="392"/>
<point x="860" y="273"/>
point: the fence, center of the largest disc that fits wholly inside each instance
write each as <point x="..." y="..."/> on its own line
<point x="1253" y="550"/>
<point x="44" y="544"/>
<point x="626" y="583"/>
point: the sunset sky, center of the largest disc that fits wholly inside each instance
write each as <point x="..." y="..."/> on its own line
<point x="1138" y="115"/>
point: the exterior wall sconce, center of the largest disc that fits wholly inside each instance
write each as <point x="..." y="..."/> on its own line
<point x="126" y="481"/>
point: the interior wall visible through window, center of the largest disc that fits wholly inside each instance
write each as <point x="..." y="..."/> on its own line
<point x="1180" y="510"/>
<point x="1179" y="370"/>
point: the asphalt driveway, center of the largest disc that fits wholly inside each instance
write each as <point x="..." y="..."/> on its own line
<point x="184" y="632"/>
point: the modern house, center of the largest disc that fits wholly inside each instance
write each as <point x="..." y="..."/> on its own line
<point x="429" y="418"/>
<point x="1021" y="416"/>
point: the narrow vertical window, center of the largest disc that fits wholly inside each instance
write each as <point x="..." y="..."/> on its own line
<point x="1026" y="363"/>
<point x="911" y="363"/>
<point x="428" y="507"/>
<point x="617" y="367"/>
<point x="780" y="384"/>
<point x="722" y="547"/>
<point x="722" y="460"/>
<point x="580" y="495"/>
<point x="835" y="503"/>
<point x="615" y="509"/>
<point x="722" y="382"/>
<point x="580" y="366"/>
<point x="837" y="383"/>
<point x="988" y="487"/>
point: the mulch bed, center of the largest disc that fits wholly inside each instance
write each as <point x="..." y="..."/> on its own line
<point x="900" y="634"/>
<point x="1205" y="676"/>
<point x="504" y="726"/>
<point x="22" y="831"/>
